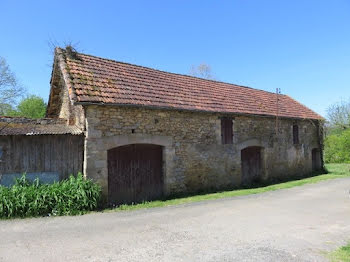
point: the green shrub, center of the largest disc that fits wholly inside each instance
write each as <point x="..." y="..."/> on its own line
<point x="72" y="196"/>
<point x="337" y="148"/>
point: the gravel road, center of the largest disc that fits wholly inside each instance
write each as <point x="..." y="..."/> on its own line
<point x="297" y="224"/>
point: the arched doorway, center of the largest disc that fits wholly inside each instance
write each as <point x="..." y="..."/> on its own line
<point x="134" y="173"/>
<point x="251" y="158"/>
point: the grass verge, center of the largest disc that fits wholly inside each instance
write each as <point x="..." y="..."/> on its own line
<point x="72" y="196"/>
<point x="341" y="254"/>
<point x="334" y="171"/>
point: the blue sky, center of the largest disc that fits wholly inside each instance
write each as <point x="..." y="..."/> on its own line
<point x="302" y="47"/>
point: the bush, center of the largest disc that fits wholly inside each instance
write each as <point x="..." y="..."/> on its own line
<point x="337" y="148"/>
<point x="72" y="196"/>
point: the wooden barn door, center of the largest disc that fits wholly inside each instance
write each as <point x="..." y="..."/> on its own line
<point x="251" y="165"/>
<point x="135" y="173"/>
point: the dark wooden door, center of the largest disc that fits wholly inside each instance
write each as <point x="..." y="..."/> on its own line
<point x="135" y="173"/>
<point x="251" y="165"/>
<point x="316" y="159"/>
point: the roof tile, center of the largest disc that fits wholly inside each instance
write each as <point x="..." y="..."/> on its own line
<point x="44" y="126"/>
<point x="99" y="80"/>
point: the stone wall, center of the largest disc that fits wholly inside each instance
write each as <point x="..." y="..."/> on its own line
<point x="195" y="159"/>
<point x="73" y="113"/>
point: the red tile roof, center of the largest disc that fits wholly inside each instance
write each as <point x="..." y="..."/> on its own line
<point x="98" y="80"/>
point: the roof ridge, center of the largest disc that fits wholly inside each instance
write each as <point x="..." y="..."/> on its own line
<point x="62" y="63"/>
<point x="179" y="74"/>
<point x="131" y="84"/>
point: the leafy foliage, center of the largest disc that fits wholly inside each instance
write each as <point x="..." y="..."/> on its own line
<point x="72" y="196"/>
<point x="10" y="89"/>
<point x="337" y="142"/>
<point x="6" y="109"/>
<point x="32" y="107"/>
<point x="339" y="116"/>
<point x="337" y="147"/>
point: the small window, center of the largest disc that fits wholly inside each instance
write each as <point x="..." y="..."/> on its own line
<point x="295" y="134"/>
<point x="226" y="131"/>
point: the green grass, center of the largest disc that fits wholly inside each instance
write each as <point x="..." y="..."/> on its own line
<point x="338" y="169"/>
<point x="71" y="196"/>
<point x="341" y="255"/>
<point x="334" y="171"/>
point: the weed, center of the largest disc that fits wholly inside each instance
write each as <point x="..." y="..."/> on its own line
<point x="72" y="196"/>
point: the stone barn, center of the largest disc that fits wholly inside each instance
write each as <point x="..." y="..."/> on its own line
<point x="150" y="133"/>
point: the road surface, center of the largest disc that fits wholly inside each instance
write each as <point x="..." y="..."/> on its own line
<point x="297" y="224"/>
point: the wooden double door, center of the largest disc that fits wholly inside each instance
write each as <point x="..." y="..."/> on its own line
<point x="135" y="173"/>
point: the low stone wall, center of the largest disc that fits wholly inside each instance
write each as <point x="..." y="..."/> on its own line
<point x="195" y="159"/>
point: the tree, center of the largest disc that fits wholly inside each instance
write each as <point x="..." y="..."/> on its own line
<point x="337" y="147"/>
<point x="32" y="107"/>
<point x="202" y="71"/>
<point x="10" y="90"/>
<point x="339" y="116"/>
<point x="337" y="142"/>
<point x="6" y="109"/>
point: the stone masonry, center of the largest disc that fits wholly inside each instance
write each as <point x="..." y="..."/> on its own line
<point x="193" y="155"/>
